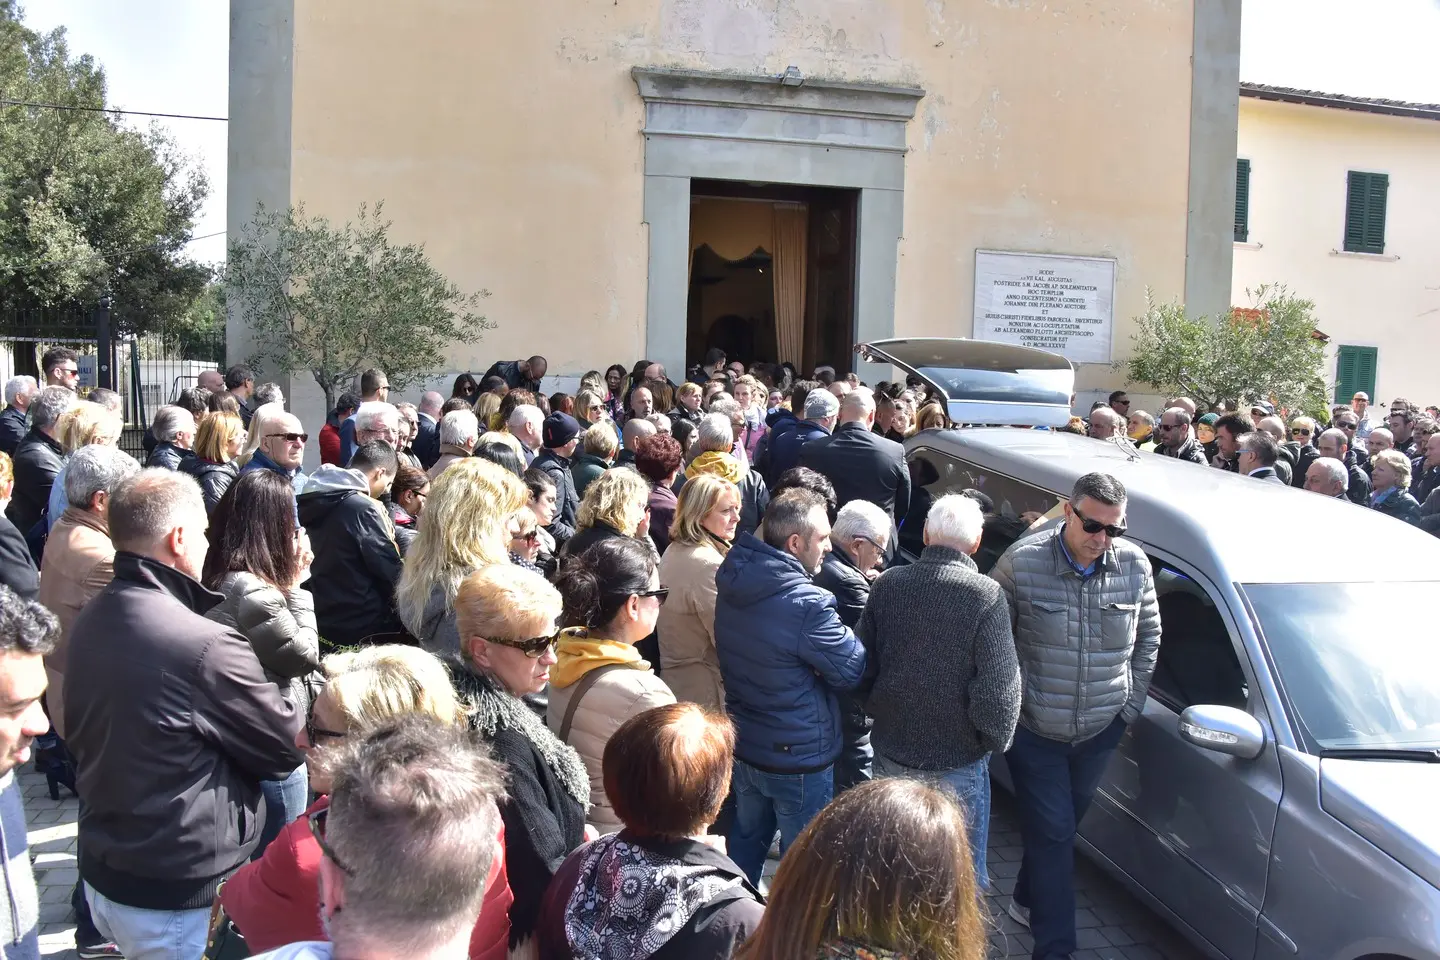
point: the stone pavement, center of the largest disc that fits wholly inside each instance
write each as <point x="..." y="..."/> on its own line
<point x="1113" y="925"/>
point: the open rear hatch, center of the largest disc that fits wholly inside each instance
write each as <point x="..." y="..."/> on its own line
<point x="984" y="382"/>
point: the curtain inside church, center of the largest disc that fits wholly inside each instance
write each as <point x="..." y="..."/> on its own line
<point x="788" y="249"/>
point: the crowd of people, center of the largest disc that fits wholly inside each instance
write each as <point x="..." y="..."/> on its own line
<point x="516" y="675"/>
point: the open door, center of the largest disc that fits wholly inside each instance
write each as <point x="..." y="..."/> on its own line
<point x="984" y="382"/>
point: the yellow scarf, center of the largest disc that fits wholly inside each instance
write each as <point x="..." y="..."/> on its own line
<point x="578" y="653"/>
<point x="718" y="463"/>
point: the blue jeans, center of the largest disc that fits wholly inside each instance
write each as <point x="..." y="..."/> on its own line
<point x="285" y="800"/>
<point x="1054" y="784"/>
<point x="971" y="786"/>
<point x="150" y="934"/>
<point x="764" y="801"/>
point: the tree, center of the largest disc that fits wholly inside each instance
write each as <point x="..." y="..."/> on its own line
<point x="335" y="301"/>
<point x="86" y="204"/>
<point x="1268" y="351"/>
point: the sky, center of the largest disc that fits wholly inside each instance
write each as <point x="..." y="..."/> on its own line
<point x="172" y="56"/>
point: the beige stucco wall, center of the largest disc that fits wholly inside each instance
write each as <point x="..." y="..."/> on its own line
<point x="1299" y="157"/>
<point x="506" y="137"/>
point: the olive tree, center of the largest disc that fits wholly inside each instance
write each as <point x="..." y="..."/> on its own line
<point x="1269" y="350"/>
<point x="335" y="301"/>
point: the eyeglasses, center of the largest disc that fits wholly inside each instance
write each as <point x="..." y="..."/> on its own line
<point x="659" y="593"/>
<point x="317" y="830"/>
<point x="1168" y="426"/>
<point x="534" y="648"/>
<point x="1347" y="425"/>
<point x="290" y="437"/>
<point x="1122" y="403"/>
<point x="873" y="543"/>
<point x="529" y="537"/>
<point x="68" y="371"/>
<point x="1095" y="526"/>
<point x="1299" y="432"/>
<point x="315" y="733"/>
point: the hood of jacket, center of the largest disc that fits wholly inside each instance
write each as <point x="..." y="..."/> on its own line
<point x="578" y="653"/>
<point x="781" y="419"/>
<point x="754" y="571"/>
<point x="717" y="462"/>
<point x="328" y="488"/>
<point x="589" y="460"/>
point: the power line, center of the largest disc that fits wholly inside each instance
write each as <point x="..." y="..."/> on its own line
<point x="133" y="113"/>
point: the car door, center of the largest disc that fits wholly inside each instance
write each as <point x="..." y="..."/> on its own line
<point x="1192" y="826"/>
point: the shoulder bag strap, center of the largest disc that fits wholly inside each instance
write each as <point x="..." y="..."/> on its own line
<point x="581" y="688"/>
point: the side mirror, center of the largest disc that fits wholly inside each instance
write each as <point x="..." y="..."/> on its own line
<point x="1222" y="729"/>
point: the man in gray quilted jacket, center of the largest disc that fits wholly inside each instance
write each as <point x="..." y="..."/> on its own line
<point x="1087" y="631"/>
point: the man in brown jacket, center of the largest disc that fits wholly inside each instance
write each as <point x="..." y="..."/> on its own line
<point x="79" y="557"/>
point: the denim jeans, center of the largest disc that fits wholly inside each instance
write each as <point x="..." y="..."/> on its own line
<point x="1054" y="784"/>
<point x="971" y="786"/>
<point x="150" y="934"/>
<point x="285" y="800"/>
<point x="764" y="801"/>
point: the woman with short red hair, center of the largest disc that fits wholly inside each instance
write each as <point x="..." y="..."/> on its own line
<point x="667" y="771"/>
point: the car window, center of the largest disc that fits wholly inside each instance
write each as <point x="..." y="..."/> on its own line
<point x="1197" y="662"/>
<point x="1009" y="505"/>
<point x="1355" y="675"/>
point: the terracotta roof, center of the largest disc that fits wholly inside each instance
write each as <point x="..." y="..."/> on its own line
<point x="1339" y="101"/>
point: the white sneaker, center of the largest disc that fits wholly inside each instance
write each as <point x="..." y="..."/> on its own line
<point x="1019" y="914"/>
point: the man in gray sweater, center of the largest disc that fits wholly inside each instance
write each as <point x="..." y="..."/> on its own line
<point x="27" y="632"/>
<point x="945" y="692"/>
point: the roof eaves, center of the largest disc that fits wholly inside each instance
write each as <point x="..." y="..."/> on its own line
<point x="1337" y="101"/>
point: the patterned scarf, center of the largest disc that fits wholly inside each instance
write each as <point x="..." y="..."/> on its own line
<point x="629" y="901"/>
<point x="493" y="707"/>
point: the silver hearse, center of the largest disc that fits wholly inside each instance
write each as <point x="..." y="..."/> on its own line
<point x="1280" y="795"/>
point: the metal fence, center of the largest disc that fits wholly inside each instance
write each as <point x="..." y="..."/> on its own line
<point x="148" y="369"/>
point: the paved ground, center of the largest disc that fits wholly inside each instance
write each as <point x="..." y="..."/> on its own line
<point x="1112" y="924"/>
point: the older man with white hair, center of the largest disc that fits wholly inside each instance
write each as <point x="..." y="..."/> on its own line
<point x="377" y="420"/>
<point x="1106" y="424"/>
<point x="14" y="421"/>
<point x="1329" y="478"/>
<point x="857" y="539"/>
<point x="715" y="441"/>
<point x="174" y="430"/>
<point x="459" y="432"/>
<point x="525" y="425"/>
<point x="427" y="439"/>
<point x="946" y="689"/>
<point x="1334" y="444"/>
<point x="38" y="458"/>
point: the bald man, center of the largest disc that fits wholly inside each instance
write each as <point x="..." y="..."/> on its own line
<point x="635" y="431"/>
<point x="1328" y="478"/>
<point x="861" y="464"/>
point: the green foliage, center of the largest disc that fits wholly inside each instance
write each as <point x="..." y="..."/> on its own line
<point x="337" y="300"/>
<point x="86" y="203"/>
<point x="1267" y="351"/>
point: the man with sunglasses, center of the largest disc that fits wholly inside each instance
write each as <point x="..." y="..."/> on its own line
<point x="281" y="448"/>
<point x="1177" y="439"/>
<point x="1087" y="631"/>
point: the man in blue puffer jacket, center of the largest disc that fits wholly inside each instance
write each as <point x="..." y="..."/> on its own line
<point x="784" y="655"/>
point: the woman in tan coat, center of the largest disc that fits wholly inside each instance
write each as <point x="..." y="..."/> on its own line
<point x="612" y="597"/>
<point x="705" y="520"/>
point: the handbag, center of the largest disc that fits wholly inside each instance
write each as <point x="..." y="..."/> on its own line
<point x="223" y="941"/>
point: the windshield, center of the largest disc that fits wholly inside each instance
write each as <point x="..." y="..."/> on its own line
<point x="1356" y="674"/>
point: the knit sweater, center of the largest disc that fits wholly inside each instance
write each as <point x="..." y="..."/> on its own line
<point x="946" y="679"/>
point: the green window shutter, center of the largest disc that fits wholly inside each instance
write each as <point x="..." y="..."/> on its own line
<point x="1242" y="201"/>
<point x="1365" y="200"/>
<point x="1354" y="371"/>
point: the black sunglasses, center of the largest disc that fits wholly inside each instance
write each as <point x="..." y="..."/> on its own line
<point x="1095" y="526"/>
<point x="534" y="648"/>
<point x="290" y="437"/>
<point x="659" y="593"/>
<point x="317" y="830"/>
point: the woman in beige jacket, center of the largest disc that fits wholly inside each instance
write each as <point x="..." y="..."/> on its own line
<point x="612" y="597"/>
<point x="705" y="520"/>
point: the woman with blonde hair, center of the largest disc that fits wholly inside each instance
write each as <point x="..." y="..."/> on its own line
<point x="616" y="504"/>
<point x="83" y="424"/>
<point x="262" y="422"/>
<point x="507" y="620"/>
<point x="218" y="441"/>
<point x="1390" y="473"/>
<point x="276" y="900"/>
<point x="595" y="455"/>
<point x="487" y="407"/>
<point x="465" y="527"/>
<point x="931" y="417"/>
<point x="706" y="517"/>
<point x="590" y="409"/>
<point x="884" y="871"/>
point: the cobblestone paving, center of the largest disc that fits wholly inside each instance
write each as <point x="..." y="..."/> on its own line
<point x="1112" y="924"/>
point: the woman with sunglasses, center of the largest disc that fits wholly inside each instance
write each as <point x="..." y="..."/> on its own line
<point x="465" y="528"/>
<point x="612" y="598"/>
<point x="525" y="540"/>
<point x="408" y="493"/>
<point x="507" y="622"/>
<point x="276" y="899"/>
<point x="257" y="560"/>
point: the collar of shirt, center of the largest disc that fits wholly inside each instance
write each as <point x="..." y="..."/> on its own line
<point x="1082" y="571"/>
